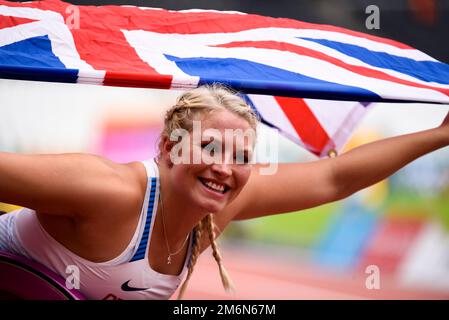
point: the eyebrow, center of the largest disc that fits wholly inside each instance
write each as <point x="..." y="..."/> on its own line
<point x="209" y="139"/>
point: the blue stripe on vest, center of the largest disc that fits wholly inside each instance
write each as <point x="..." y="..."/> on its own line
<point x="138" y="257"/>
<point x="140" y="253"/>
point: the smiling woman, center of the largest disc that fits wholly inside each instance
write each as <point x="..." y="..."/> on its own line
<point x="152" y="207"/>
<point x="210" y="175"/>
<point x="135" y="230"/>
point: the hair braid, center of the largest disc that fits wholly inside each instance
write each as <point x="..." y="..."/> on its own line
<point x="225" y="279"/>
<point x="198" y="232"/>
<point x="206" y="224"/>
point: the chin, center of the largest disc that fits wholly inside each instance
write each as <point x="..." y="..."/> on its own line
<point x="212" y="207"/>
<point x="210" y="201"/>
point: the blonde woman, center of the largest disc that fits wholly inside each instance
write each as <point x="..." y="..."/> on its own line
<point x="135" y="230"/>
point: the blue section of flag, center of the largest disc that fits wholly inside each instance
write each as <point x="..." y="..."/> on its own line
<point x="33" y="59"/>
<point x="32" y="52"/>
<point x="258" y="78"/>
<point x="430" y="71"/>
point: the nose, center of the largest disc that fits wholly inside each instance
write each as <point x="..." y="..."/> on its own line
<point x="222" y="169"/>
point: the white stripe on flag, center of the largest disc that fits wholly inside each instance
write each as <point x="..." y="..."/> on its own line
<point x="356" y="62"/>
<point x="151" y="54"/>
<point x="339" y="119"/>
<point x="91" y="76"/>
<point x="151" y="47"/>
<point x="31" y="13"/>
<point x="270" y="110"/>
<point x="290" y="34"/>
<point x="63" y="45"/>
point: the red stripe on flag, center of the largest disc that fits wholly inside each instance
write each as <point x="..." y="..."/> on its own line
<point x="100" y="41"/>
<point x="110" y="51"/>
<point x="300" y="50"/>
<point x="164" y="21"/>
<point x="305" y="123"/>
<point x="127" y="79"/>
<point x="8" y="21"/>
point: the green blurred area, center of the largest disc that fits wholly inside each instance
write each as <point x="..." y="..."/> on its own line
<point x="300" y="228"/>
<point x="434" y="207"/>
<point x="305" y="228"/>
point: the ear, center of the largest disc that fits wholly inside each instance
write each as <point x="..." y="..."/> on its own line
<point x="165" y="148"/>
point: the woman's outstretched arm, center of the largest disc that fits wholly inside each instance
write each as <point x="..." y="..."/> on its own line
<point x="297" y="186"/>
<point x="64" y="184"/>
<point x="371" y="163"/>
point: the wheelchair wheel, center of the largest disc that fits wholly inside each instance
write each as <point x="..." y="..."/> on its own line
<point x="22" y="279"/>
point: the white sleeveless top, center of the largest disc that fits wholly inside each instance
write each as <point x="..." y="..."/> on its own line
<point x="127" y="276"/>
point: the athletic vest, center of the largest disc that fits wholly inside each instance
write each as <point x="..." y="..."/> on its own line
<point x="127" y="276"/>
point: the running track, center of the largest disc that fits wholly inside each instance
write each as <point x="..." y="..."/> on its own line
<point x="265" y="276"/>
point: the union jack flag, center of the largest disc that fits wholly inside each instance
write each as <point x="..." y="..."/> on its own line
<point x="288" y="61"/>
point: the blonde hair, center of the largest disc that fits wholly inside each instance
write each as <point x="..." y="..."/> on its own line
<point x="202" y="101"/>
<point x="190" y="105"/>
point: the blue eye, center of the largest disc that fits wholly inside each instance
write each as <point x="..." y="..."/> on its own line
<point x="239" y="158"/>
<point x="210" y="147"/>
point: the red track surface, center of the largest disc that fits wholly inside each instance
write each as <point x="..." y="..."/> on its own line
<point x="258" y="276"/>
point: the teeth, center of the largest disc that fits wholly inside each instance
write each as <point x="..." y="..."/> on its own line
<point x="219" y="188"/>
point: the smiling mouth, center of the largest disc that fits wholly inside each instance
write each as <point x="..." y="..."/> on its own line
<point x="219" y="188"/>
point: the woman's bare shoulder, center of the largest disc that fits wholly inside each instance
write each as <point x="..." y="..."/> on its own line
<point x="136" y="174"/>
<point x="129" y="188"/>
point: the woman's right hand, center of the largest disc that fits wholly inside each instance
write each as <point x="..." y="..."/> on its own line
<point x="445" y="127"/>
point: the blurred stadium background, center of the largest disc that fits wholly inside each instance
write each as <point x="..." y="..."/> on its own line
<point x="400" y="225"/>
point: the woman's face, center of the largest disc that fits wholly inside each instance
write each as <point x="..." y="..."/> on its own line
<point x="217" y="167"/>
